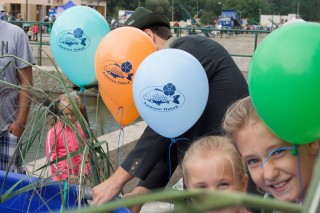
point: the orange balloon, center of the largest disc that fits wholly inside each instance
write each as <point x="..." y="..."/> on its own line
<point x="117" y="58"/>
<point x="124" y="115"/>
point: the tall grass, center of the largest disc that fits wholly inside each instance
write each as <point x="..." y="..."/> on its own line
<point x="42" y="106"/>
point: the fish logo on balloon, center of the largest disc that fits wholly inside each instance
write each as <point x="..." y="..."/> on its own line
<point x="118" y="74"/>
<point x="73" y="40"/>
<point x="162" y="99"/>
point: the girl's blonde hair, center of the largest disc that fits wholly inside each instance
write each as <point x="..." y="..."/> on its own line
<point x="238" y="116"/>
<point x="207" y="146"/>
<point x="63" y="102"/>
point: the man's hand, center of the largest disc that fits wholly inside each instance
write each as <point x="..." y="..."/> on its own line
<point x="111" y="187"/>
<point x="16" y="129"/>
<point x="139" y="190"/>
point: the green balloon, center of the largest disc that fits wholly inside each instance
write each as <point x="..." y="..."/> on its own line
<point x="284" y="82"/>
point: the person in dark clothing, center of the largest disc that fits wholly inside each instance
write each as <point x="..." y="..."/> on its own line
<point x="46" y="25"/>
<point x="149" y="159"/>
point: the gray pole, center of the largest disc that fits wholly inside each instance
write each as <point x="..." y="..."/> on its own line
<point x="197" y="6"/>
<point x="172" y="11"/>
<point x="260" y="17"/>
<point x="298" y="10"/>
<point x="27" y="10"/>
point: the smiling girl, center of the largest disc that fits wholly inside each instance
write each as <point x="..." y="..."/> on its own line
<point x="213" y="163"/>
<point x="277" y="167"/>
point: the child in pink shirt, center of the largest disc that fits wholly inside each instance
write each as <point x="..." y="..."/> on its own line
<point x="63" y="139"/>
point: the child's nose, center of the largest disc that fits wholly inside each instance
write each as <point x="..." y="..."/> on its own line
<point x="212" y="188"/>
<point x="270" y="170"/>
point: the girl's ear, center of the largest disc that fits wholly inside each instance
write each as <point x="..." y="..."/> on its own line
<point x="245" y="184"/>
<point x="314" y="147"/>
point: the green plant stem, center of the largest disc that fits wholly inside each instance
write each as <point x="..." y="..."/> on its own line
<point x="206" y="201"/>
<point x="312" y="201"/>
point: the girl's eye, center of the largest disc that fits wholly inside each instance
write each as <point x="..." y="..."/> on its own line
<point x="252" y="162"/>
<point x="202" y="186"/>
<point x="223" y="186"/>
<point x="277" y="152"/>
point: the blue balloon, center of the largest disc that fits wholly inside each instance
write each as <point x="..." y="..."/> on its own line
<point x="170" y="91"/>
<point x="74" y="39"/>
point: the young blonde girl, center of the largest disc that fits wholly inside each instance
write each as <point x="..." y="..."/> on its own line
<point x="277" y="167"/>
<point x="63" y="138"/>
<point x="213" y="163"/>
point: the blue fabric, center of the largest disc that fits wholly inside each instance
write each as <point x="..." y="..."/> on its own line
<point x="8" y="146"/>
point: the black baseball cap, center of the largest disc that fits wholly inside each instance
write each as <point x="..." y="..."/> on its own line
<point x="143" y="18"/>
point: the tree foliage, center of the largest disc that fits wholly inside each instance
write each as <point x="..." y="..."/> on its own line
<point x="207" y="18"/>
<point x="159" y="6"/>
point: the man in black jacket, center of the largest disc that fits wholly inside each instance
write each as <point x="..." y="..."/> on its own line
<point x="149" y="159"/>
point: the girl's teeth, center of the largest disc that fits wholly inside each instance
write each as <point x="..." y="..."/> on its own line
<point x="279" y="185"/>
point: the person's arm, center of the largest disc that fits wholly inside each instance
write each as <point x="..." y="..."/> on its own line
<point x="25" y="78"/>
<point x="111" y="187"/>
<point x="149" y="150"/>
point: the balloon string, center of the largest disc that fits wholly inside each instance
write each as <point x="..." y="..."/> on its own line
<point x="85" y="107"/>
<point x="277" y="150"/>
<point x="173" y="141"/>
<point x="82" y="89"/>
<point x="120" y="147"/>
<point x="120" y="139"/>
<point x="120" y="109"/>
<point x="300" y="178"/>
<point x="116" y="125"/>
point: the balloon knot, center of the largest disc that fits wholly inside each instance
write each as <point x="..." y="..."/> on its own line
<point x="173" y="140"/>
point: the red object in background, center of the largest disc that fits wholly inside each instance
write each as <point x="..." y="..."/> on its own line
<point x="35" y="29"/>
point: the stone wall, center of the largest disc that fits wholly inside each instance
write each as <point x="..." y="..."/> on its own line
<point x="47" y="78"/>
